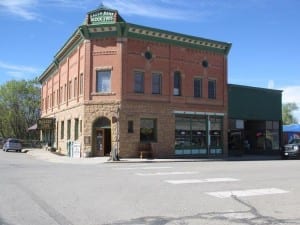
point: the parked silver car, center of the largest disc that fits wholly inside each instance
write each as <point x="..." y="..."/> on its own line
<point x="291" y="150"/>
<point x="12" y="144"/>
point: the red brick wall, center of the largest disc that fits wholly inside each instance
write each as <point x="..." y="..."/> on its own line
<point x="167" y="59"/>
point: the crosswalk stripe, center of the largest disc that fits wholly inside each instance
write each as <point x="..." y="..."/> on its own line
<point x="165" y="173"/>
<point x="144" y="168"/>
<point x="194" y="181"/>
<point x="245" y="193"/>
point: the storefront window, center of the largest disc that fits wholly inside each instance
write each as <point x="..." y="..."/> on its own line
<point x="216" y="143"/>
<point x="148" y="130"/>
<point x="190" y="135"/>
<point x="199" y="137"/>
<point x="182" y="132"/>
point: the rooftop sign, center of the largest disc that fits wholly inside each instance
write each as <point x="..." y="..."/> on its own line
<point x="102" y="17"/>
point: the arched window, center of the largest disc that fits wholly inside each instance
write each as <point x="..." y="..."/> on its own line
<point x="177" y="84"/>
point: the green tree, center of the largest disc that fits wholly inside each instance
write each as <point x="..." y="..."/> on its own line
<point x="287" y="113"/>
<point x="19" y="107"/>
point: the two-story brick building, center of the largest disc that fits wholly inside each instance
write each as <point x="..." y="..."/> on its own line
<point x="117" y="85"/>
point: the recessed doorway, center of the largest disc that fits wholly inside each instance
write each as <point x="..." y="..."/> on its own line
<point x="102" y="137"/>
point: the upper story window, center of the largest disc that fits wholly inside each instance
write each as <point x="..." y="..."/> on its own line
<point x="177" y="84"/>
<point x="43" y="104"/>
<point x="138" y="82"/>
<point x="57" y="97"/>
<point x="70" y="90"/>
<point x="61" y="95"/>
<point x="212" y="89"/>
<point x="156" y="83"/>
<point x="198" y="87"/>
<point x="65" y="93"/>
<point x="75" y="86"/>
<point x="53" y="98"/>
<point x="47" y="102"/>
<point x="81" y="84"/>
<point x="103" y="81"/>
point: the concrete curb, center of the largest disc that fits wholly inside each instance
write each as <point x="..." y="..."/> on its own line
<point x="52" y="157"/>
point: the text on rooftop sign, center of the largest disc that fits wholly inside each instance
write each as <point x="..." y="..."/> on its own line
<point x="102" y="17"/>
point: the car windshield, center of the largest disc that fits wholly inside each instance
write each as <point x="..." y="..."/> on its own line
<point x="13" y="141"/>
<point x="295" y="141"/>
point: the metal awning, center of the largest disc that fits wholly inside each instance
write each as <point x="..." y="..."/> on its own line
<point x="33" y="127"/>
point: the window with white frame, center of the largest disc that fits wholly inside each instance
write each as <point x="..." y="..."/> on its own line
<point x="103" y="81"/>
<point x="177" y="84"/>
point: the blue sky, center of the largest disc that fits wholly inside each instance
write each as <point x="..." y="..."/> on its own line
<point x="264" y="34"/>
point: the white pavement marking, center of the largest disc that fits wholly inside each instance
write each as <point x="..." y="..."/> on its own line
<point x="194" y="181"/>
<point x="144" y="168"/>
<point x="165" y="173"/>
<point x="245" y="193"/>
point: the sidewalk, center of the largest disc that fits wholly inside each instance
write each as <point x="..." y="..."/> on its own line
<point x="42" y="154"/>
<point x="55" y="158"/>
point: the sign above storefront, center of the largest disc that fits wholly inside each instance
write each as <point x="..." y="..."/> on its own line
<point x="46" y="123"/>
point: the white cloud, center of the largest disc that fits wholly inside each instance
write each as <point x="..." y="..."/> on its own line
<point x="192" y="10"/>
<point x="65" y="3"/>
<point x="28" y="9"/>
<point x="164" y="9"/>
<point x="22" y="8"/>
<point x="18" y="71"/>
<point x="271" y="84"/>
<point x="292" y="94"/>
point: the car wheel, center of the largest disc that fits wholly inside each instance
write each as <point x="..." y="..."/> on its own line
<point x="6" y="150"/>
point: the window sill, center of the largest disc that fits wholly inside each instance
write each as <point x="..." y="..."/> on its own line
<point x="103" y="93"/>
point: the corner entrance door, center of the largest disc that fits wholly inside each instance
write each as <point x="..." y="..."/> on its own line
<point x="103" y="141"/>
<point x="100" y="142"/>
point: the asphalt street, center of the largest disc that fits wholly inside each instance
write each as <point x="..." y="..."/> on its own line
<point x="49" y="189"/>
